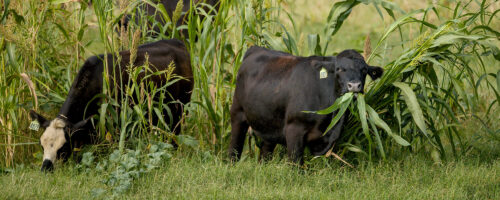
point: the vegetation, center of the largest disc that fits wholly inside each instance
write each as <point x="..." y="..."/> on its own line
<point x="200" y="177"/>
<point x="427" y="129"/>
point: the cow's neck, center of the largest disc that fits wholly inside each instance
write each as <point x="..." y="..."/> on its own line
<point x="74" y="107"/>
<point x="71" y="111"/>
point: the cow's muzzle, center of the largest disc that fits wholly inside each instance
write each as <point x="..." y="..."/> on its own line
<point x="47" y="166"/>
<point x="354" y="86"/>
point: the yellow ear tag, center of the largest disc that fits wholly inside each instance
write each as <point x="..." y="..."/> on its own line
<point x="34" y="125"/>
<point x="323" y="73"/>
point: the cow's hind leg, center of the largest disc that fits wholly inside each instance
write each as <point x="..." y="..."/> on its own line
<point x="238" y="131"/>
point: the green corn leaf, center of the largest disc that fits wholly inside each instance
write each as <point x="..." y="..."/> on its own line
<point x="364" y="123"/>
<point x="412" y="102"/>
<point x="378" y="140"/>
<point x="381" y="123"/>
<point x="498" y="81"/>
<point x="339" y="12"/>
<point x="458" y="86"/>
<point x="362" y="115"/>
<point x="343" y="108"/>
<point x="5" y="11"/>
<point x="453" y="38"/>
<point x="159" y="114"/>
<point x="336" y="104"/>
<point x="341" y="103"/>
<point x="391" y="28"/>
<point x="397" y="111"/>
<point x="313" y="42"/>
<point x="328" y="110"/>
<point x="355" y="149"/>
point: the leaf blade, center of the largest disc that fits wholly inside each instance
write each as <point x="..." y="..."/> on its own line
<point x="412" y="102"/>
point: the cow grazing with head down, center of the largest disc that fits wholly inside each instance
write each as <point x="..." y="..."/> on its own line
<point x="274" y="88"/>
<point x="72" y="128"/>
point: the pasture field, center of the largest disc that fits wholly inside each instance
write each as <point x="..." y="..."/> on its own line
<point x="196" y="177"/>
<point x="428" y="129"/>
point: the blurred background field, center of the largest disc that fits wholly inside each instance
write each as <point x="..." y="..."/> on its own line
<point x="50" y="40"/>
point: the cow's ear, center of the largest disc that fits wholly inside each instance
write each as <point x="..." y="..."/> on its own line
<point x="328" y="65"/>
<point x="84" y="124"/>
<point x="375" y="72"/>
<point x="41" y="120"/>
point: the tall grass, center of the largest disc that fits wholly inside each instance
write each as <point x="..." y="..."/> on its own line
<point x="433" y="86"/>
<point x="440" y="78"/>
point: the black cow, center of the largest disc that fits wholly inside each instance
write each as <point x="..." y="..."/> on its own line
<point x="170" y="6"/>
<point x="71" y="129"/>
<point x="274" y="88"/>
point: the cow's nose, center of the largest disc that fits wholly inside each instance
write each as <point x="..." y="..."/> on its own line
<point x="47" y="166"/>
<point x="354" y="86"/>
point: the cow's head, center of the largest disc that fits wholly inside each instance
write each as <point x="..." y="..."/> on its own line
<point x="351" y="70"/>
<point x="57" y="137"/>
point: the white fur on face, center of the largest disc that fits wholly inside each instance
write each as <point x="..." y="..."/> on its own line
<point x="53" y="139"/>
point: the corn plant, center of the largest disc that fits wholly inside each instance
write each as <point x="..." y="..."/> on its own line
<point x="428" y="90"/>
<point x="27" y="29"/>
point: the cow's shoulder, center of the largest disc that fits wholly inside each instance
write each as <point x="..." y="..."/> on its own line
<point x="91" y="64"/>
<point x="253" y="50"/>
<point x="319" y="62"/>
<point x="88" y="74"/>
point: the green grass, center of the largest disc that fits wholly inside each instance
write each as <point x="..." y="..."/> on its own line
<point x="196" y="177"/>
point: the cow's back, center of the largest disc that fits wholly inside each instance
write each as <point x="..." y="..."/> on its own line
<point x="89" y="80"/>
<point x="161" y="55"/>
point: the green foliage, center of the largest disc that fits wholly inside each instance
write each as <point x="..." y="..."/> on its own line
<point x="121" y="169"/>
<point x="425" y="88"/>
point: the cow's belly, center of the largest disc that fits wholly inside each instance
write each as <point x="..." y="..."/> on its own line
<point x="267" y="122"/>
<point x="264" y="103"/>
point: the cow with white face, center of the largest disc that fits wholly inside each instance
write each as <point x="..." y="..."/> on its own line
<point x="61" y="137"/>
<point x="72" y="128"/>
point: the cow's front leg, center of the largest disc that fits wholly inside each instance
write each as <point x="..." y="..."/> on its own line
<point x="295" y="134"/>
